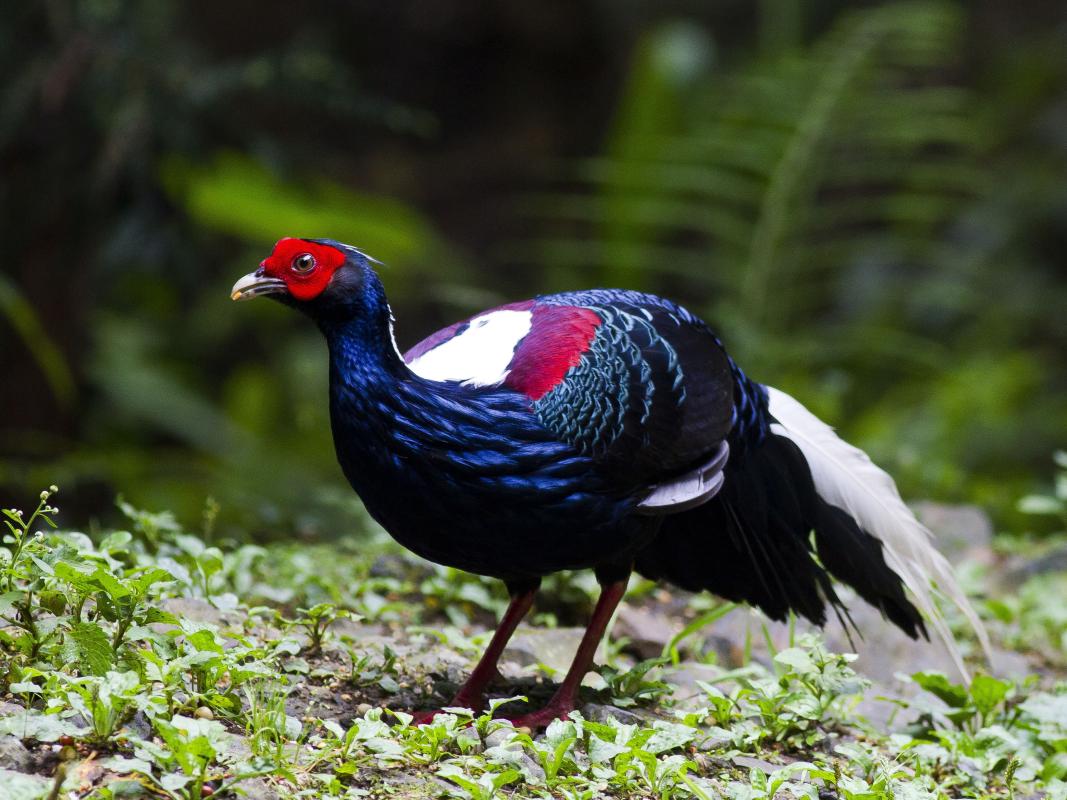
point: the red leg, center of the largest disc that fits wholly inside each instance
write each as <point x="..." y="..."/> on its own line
<point x="566" y="696"/>
<point x="472" y="693"/>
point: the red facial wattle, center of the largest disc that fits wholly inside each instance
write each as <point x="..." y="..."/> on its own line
<point x="306" y="279"/>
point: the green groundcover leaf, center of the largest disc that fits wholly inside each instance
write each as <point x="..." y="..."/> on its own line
<point x="938" y="684"/>
<point x="987" y="692"/>
<point x="93" y="647"/>
<point x="42" y="727"/>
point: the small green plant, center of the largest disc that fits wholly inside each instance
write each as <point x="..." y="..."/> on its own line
<point x="805" y="695"/>
<point x="1051" y="505"/>
<point x="184" y="766"/>
<point x="1009" y="777"/>
<point x="634" y="685"/>
<point x="1004" y="737"/>
<point x="105" y="702"/>
<point x="366" y="670"/>
<point x="486" y="787"/>
<point x="267" y="724"/>
<point x="19" y="533"/>
<point x="717" y="612"/>
<point x="973" y="707"/>
<point x="23" y="572"/>
<point x="316" y="621"/>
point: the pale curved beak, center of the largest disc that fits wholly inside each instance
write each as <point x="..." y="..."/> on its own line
<point x="256" y="283"/>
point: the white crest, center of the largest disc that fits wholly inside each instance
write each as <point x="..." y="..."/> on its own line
<point x="480" y="355"/>
<point x="847" y="478"/>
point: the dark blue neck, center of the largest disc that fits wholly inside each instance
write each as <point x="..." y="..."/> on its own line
<point x="368" y="392"/>
<point x="363" y="359"/>
<point x="357" y="324"/>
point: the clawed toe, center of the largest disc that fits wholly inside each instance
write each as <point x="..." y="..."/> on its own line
<point x="424" y="717"/>
<point x="536" y="720"/>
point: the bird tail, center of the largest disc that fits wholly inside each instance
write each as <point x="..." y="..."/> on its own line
<point x="855" y="490"/>
<point x="752" y="543"/>
<point x="789" y="475"/>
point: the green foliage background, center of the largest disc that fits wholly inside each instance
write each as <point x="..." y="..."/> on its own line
<point x="868" y="201"/>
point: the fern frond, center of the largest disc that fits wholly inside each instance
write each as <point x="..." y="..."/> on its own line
<point x="780" y="177"/>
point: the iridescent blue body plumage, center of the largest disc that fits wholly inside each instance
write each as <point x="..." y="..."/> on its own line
<point x="467" y="479"/>
<point x="489" y="481"/>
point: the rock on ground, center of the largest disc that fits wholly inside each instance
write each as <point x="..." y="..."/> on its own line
<point x="961" y="532"/>
<point x="648" y="628"/>
<point x="24" y="787"/>
<point x="553" y="647"/>
<point x="14" y="755"/>
<point x="598" y="712"/>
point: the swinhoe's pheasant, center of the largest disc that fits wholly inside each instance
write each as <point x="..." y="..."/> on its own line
<point x="607" y="430"/>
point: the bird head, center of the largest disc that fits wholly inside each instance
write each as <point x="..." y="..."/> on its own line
<point x="318" y="276"/>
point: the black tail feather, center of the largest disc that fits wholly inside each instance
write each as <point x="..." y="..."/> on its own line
<point x="855" y="557"/>
<point x="752" y="543"/>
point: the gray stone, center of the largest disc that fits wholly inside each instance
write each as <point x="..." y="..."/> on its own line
<point x="501" y="736"/>
<point x="1019" y="570"/>
<point x="684" y="679"/>
<point x="440" y="661"/>
<point x="959" y="531"/>
<point x="714" y="742"/>
<point x="1010" y="664"/>
<point x="14" y="755"/>
<point x="29" y="787"/>
<point x="235" y="747"/>
<point x="553" y="647"/>
<point x="598" y="712"/>
<point x="9" y="709"/>
<point x="648" y="629"/>
<point x="531" y="769"/>
<point x="748" y="762"/>
<point x="257" y="788"/>
<point x="140" y="726"/>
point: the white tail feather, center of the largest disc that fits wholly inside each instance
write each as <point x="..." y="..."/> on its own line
<point x="847" y="478"/>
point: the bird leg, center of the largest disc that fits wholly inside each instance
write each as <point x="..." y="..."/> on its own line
<point x="472" y="693"/>
<point x="566" y="696"/>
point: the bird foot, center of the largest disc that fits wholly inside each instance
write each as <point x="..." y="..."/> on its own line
<point x="536" y="720"/>
<point x="475" y="704"/>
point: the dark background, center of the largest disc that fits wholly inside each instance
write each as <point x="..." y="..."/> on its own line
<point x="869" y="202"/>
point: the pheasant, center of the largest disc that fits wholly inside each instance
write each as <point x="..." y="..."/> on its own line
<point x="608" y="430"/>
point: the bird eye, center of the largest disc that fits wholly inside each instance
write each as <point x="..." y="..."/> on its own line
<point x="305" y="262"/>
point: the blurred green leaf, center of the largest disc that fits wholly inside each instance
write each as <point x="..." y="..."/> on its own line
<point x="954" y="694"/>
<point x="27" y="324"/>
<point x="987" y="692"/>
<point x="237" y="195"/>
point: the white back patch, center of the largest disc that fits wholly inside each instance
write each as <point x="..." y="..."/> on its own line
<point x="480" y="355"/>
